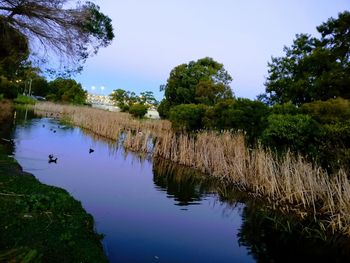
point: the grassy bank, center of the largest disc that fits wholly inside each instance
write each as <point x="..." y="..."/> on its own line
<point x="41" y="223"/>
<point x="289" y="183"/>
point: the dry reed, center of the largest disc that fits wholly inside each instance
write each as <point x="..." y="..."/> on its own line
<point x="289" y="183"/>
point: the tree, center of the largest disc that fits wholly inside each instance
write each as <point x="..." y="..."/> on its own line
<point x="187" y="117"/>
<point x="73" y="31"/>
<point x="202" y="81"/>
<point x="13" y="49"/>
<point x="138" y="110"/>
<point x="66" y="90"/>
<point x="147" y="97"/>
<point x="312" y="68"/>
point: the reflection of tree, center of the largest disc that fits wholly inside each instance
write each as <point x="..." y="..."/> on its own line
<point x="185" y="185"/>
<point x="275" y="238"/>
<point x="268" y="235"/>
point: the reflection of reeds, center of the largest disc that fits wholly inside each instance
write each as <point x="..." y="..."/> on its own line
<point x="290" y="182"/>
<point x="6" y="110"/>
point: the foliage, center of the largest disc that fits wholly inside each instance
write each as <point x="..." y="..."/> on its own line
<point x="138" y="110"/>
<point x="241" y="114"/>
<point x="187" y="117"/>
<point x="22" y="99"/>
<point x="163" y="108"/>
<point x="13" y="48"/>
<point x="147" y="97"/>
<point x="296" y="132"/>
<point x="125" y="99"/>
<point x="66" y="90"/>
<point x="330" y="111"/>
<point x="73" y="30"/>
<point x="286" y="108"/>
<point x="8" y="88"/>
<point x="334" y="146"/>
<point x="313" y="68"/>
<point x="202" y="81"/>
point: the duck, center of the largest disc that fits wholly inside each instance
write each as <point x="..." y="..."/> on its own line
<point x="52" y="159"/>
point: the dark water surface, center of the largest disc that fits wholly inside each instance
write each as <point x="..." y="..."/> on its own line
<point x="153" y="211"/>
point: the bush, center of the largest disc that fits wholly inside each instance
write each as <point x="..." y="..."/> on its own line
<point x="334" y="146"/>
<point x="241" y="114"/>
<point x="138" y="110"/>
<point x="286" y="108"/>
<point x="295" y="132"/>
<point x="330" y="111"/>
<point x="163" y="109"/>
<point x="187" y="117"/>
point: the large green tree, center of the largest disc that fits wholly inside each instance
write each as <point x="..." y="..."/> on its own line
<point x="71" y="30"/>
<point x="203" y="81"/>
<point x="313" y="68"/>
<point x="67" y="91"/>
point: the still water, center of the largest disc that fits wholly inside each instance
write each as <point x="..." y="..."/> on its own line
<point x="150" y="210"/>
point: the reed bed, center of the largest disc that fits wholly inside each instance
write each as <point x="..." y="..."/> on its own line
<point x="291" y="183"/>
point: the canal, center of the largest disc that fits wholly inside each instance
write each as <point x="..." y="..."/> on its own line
<point x="154" y="211"/>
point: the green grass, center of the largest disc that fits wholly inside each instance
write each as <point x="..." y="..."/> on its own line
<point x="22" y="99"/>
<point x="41" y="223"/>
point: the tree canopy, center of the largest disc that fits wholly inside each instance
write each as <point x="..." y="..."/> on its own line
<point x="73" y="30"/>
<point x="312" y="68"/>
<point x="203" y="81"/>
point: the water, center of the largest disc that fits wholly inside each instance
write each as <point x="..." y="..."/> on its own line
<point x="143" y="219"/>
<point x="153" y="211"/>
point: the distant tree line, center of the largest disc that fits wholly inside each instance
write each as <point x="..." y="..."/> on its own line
<point x="137" y="105"/>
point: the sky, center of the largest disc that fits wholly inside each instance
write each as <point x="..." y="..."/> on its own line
<point x="154" y="36"/>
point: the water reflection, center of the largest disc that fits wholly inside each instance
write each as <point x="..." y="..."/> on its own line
<point x="164" y="212"/>
<point x="186" y="186"/>
<point x="268" y="235"/>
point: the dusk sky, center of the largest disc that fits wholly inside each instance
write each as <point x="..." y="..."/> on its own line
<point x="154" y="36"/>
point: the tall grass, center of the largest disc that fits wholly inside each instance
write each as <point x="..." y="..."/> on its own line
<point x="289" y="183"/>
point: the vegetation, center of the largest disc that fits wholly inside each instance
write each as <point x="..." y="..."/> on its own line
<point x="313" y="68"/>
<point x="21" y="99"/>
<point x="66" y="91"/>
<point x="40" y="223"/>
<point x="204" y="81"/>
<point x="126" y="99"/>
<point x="289" y="182"/>
<point x="71" y="29"/>
<point x="138" y="110"/>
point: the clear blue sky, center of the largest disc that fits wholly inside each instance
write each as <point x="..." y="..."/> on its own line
<point x="154" y="36"/>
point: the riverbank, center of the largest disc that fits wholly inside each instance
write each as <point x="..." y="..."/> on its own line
<point x="41" y="223"/>
<point x="288" y="183"/>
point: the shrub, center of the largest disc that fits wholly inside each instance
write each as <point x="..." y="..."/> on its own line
<point x="330" y="111"/>
<point x="334" y="146"/>
<point x="164" y="108"/>
<point x="241" y="114"/>
<point x="286" y="108"/>
<point x="138" y="110"/>
<point x="296" y="132"/>
<point x="187" y="117"/>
